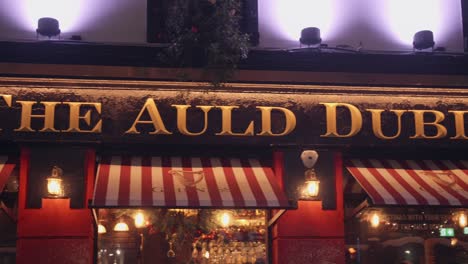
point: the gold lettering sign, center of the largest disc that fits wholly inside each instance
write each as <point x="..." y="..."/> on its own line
<point x="85" y="117"/>
<point x="182" y="119"/>
<point x="156" y="120"/>
<point x="377" y="123"/>
<point x="290" y="119"/>
<point x="331" y="115"/>
<point x="226" y="128"/>
<point x="459" y="124"/>
<point x="75" y="117"/>
<point x="48" y="116"/>
<point x="420" y="124"/>
<point x="7" y="98"/>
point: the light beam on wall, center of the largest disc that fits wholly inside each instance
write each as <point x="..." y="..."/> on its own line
<point x="404" y="18"/>
<point x="67" y="12"/>
<point x="286" y="19"/>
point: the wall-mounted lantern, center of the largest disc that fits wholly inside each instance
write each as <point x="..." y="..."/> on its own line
<point x="310" y="189"/>
<point x="55" y="183"/>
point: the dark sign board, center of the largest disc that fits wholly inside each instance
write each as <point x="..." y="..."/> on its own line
<point x="74" y="112"/>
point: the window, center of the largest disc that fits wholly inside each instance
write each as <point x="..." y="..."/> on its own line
<point x="182" y="236"/>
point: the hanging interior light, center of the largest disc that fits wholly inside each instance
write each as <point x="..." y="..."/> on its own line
<point x="102" y="229"/>
<point x="311" y="187"/>
<point x="121" y="227"/>
<point x="55" y="183"/>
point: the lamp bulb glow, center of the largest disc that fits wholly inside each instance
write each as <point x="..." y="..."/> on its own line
<point x="312" y="188"/>
<point x="101" y="229"/>
<point x="453" y="242"/>
<point x="121" y="227"/>
<point x="225" y="219"/>
<point x="375" y="220"/>
<point x="462" y="221"/>
<point x="54" y="186"/>
<point x="139" y="220"/>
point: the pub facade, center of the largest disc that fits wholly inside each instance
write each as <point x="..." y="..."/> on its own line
<point x="304" y="156"/>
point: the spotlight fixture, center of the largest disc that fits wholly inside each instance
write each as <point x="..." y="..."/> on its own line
<point x="310" y="36"/>
<point x="423" y="40"/>
<point x="47" y="26"/>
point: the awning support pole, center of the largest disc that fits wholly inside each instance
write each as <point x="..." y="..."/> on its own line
<point x="275" y="217"/>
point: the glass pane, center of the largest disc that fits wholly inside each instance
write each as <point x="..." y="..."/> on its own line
<point x="407" y="235"/>
<point x="182" y="236"/>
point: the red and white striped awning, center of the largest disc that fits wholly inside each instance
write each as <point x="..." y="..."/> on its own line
<point x="6" y="167"/>
<point x="186" y="182"/>
<point x="412" y="182"/>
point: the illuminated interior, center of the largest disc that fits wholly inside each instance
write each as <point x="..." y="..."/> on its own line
<point x="183" y="236"/>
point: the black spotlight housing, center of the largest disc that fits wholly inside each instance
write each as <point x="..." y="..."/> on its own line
<point x="310" y="36"/>
<point x="47" y="26"/>
<point x="423" y="40"/>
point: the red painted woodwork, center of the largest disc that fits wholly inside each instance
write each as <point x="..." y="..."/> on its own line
<point x="54" y="233"/>
<point x="278" y="168"/>
<point x="311" y="234"/>
<point x="55" y="251"/>
<point x="305" y="251"/>
<point x="55" y="219"/>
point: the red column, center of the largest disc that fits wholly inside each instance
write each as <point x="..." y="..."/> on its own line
<point x="310" y="234"/>
<point x="54" y="233"/>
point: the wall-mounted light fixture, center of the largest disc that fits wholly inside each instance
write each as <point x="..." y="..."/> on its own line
<point x="55" y="183"/>
<point x="310" y="189"/>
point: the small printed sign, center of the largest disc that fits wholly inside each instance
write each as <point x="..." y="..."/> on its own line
<point x="465" y="230"/>
<point x="447" y="232"/>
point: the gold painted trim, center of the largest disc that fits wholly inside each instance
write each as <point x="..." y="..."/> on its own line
<point x="68" y="83"/>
